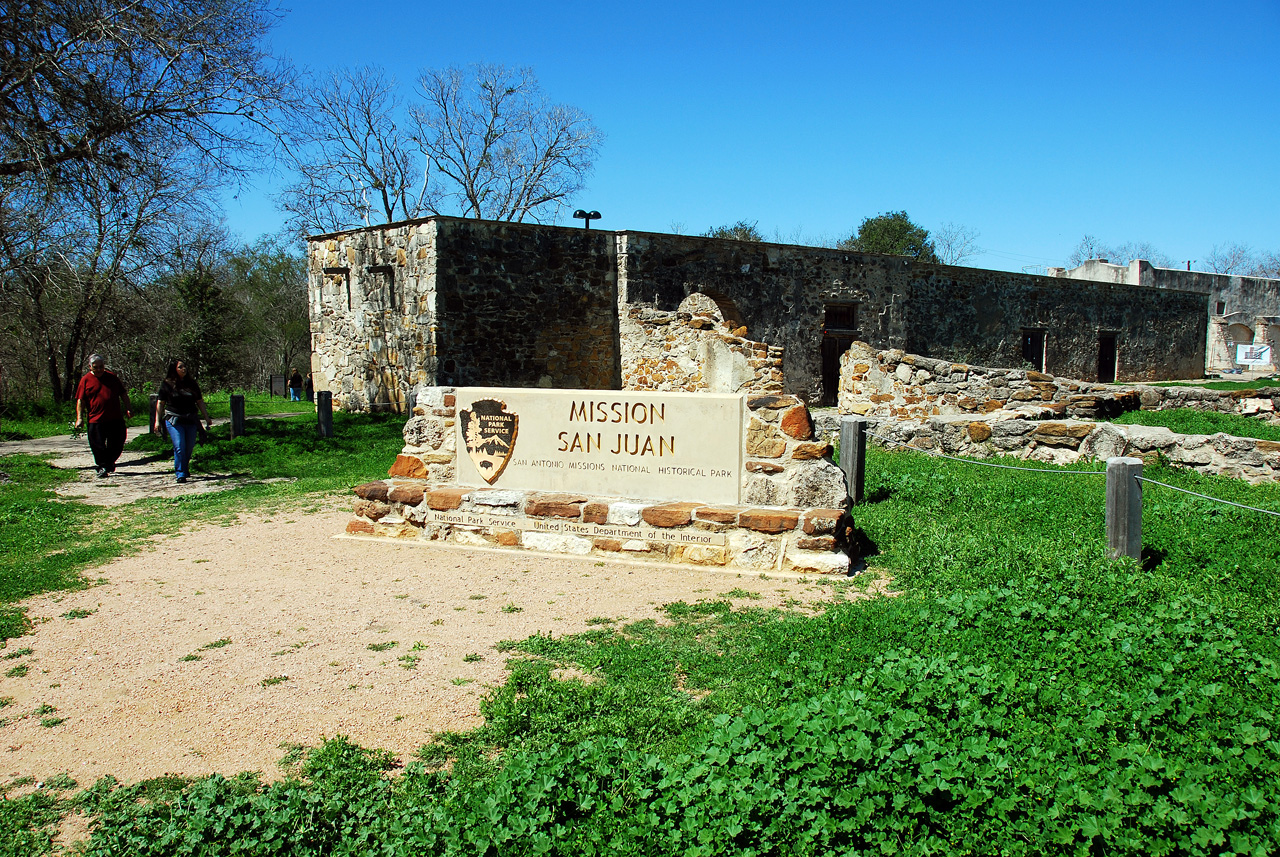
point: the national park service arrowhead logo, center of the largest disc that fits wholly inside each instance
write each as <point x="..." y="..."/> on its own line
<point x="490" y="435"/>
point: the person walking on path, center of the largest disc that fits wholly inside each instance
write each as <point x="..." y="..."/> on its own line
<point x="101" y="394"/>
<point x="183" y="405"/>
<point x="295" y="386"/>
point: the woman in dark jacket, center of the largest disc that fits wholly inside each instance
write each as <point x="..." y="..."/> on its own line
<point x="183" y="405"/>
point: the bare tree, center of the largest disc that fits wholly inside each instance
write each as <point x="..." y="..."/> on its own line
<point x="1230" y="259"/>
<point x="355" y="161"/>
<point x="954" y="243"/>
<point x="1117" y="254"/>
<point x="115" y="84"/>
<point x="504" y="151"/>
<point x="1266" y="265"/>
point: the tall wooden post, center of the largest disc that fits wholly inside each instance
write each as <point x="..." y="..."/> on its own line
<point x="324" y="413"/>
<point x="1124" y="507"/>
<point x="853" y="456"/>
<point x="237" y="415"/>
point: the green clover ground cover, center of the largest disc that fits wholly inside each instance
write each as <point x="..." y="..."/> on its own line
<point x="1024" y="695"/>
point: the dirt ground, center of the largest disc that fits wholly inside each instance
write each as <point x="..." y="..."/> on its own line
<point x="139" y="686"/>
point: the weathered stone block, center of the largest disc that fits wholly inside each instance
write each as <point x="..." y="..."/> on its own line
<point x="595" y="513"/>
<point x="556" y="543"/>
<point x="669" y="514"/>
<point x="554" y="505"/>
<point x="446" y="499"/>
<point x="821" y="521"/>
<point x="507" y="538"/>
<point x="810" y="451"/>
<point x="717" y="514"/>
<point x="769" y="520"/>
<point x="979" y="432"/>
<point x="705" y="555"/>
<point x="795" y="423"/>
<point x="408" y="493"/>
<point x="764" y="440"/>
<point x="359" y="527"/>
<point x="816" y="543"/>
<point x="626" y="514"/>
<point x="372" y="491"/>
<point x="611" y="545"/>
<point x="764" y="467"/>
<point x="408" y="467"/>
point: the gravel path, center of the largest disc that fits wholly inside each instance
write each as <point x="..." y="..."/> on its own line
<point x="141" y="688"/>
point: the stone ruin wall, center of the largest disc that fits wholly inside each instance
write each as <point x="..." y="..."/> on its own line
<point x="792" y="499"/>
<point x="694" y="349"/>
<point x="372" y="314"/>
<point x="978" y="411"/>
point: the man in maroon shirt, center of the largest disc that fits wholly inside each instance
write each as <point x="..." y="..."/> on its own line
<point x="102" y="391"/>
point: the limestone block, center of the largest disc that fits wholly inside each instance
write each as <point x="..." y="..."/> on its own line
<point x="815" y="484"/>
<point x="764" y="440"/>
<point x="717" y="514"/>
<point x="817" y="563"/>
<point x="816" y="543"/>
<point x="769" y="520"/>
<point x="706" y="555"/>
<point x="408" y="467"/>
<point x="446" y="499"/>
<point x="557" y="543"/>
<point x="978" y="432"/>
<point x="796" y="424"/>
<point x="1106" y="441"/>
<point x="635" y="546"/>
<point x="468" y="537"/>
<point x="625" y="514"/>
<point x="762" y="490"/>
<point x="554" y="505"/>
<point x="1061" y="434"/>
<point x="424" y="432"/>
<point x="496" y="497"/>
<point x="810" y="451"/>
<point x="753" y="550"/>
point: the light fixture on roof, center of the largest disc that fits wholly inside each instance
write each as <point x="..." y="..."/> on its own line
<point x="586" y="217"/>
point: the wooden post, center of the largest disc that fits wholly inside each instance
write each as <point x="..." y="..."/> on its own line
<point x="1124" y="507"/>
<point x="324" y="412"/>
<point x="237" y="415"/>
<point x="853" y="456"/>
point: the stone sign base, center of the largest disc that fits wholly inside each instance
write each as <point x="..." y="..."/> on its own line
<point x="733" y="537"/>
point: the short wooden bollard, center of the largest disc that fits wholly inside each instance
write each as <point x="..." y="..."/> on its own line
<point x="853" y="456"/>
<point x="237" y="415"/>
<point x="324" y="413"/>
<point x="1124" y="507"/>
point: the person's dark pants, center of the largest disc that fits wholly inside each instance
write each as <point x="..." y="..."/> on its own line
<point x="106" y="439"/>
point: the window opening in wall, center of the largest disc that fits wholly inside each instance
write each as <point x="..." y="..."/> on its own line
<point x="839" y="330"/>
<point x="1033" y="348"/>
<point x="385" y="278"/>
<point x="341" y="281"/>
<point x="1106" y="356"/>
<point x="1220" y="308"/>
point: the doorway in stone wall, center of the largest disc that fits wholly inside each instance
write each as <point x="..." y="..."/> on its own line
<point x="839" y="330"/>
<point x="1033" y="348"/>
<point x="1106" y="356"/>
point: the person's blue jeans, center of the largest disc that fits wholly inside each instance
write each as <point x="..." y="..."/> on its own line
<point x="295" y="394"/>
<point x="184" y="440"/>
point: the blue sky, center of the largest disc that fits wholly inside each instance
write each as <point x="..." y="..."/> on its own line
<point x="1033" y="123"/>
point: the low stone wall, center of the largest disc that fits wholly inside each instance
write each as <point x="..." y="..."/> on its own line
<point x="1069" y="441"/>
<point x="903" y="386"/>
<point x="692" y="352"/>
<point x="751" y="539"/>
<point x="792" y="499"/>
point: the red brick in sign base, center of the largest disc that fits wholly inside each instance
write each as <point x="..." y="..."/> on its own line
<point x="554" y="505"/>
<point x="718" y="514"/>
<point x="358" y="526"/>
<point x="595" y="513"/>
<point x="819" y="522"/>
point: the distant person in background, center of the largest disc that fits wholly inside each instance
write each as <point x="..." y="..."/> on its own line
<point x="295" y="386"/>
<point x="183" y="405"/>
<point x="101" y="394"/>
<point x="310" y="387"/>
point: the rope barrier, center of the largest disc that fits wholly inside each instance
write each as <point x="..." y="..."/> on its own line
<point x="1207" y="497"/>
<point x="988" y="463"/>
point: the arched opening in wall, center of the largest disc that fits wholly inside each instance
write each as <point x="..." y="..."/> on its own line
<point x="839" y="330"/>
<point x="729" y="311"/>
<point x="1241" y="334"/>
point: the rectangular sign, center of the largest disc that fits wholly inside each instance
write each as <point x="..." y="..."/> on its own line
<point x="1253" y="355"/>
<point x="652" y="446"/>
<point x="577" y="528"/>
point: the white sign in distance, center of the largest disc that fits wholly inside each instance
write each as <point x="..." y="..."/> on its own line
<point x="650" y="446"/>
<point x="1253" y="355"/>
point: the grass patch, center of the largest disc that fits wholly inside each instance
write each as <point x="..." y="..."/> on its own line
<point x="78" y="613"/>
<point x="1191" y="421"/>
<point x="1221" y="385"/>
<point x="382" y="647"/>
<point x="275" y="679"/>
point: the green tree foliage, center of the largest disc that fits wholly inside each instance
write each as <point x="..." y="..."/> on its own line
<point x="892" y="234"/>
<point x="740" y="231"/>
